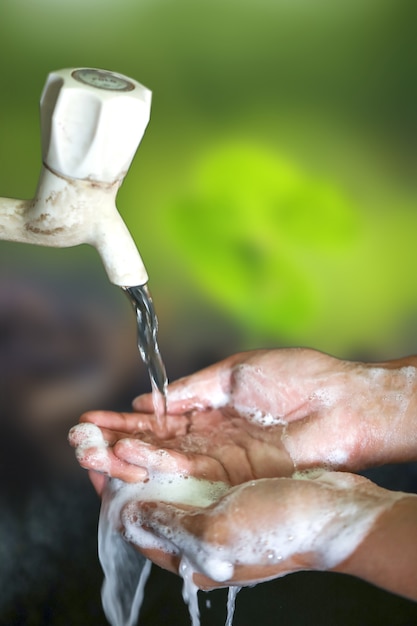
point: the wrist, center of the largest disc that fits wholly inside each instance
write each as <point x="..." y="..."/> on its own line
<point x="359" y="415"/>
<point x="387" y="554"/>
<point x="388" y="424"/>
<point x="346" y="509"/>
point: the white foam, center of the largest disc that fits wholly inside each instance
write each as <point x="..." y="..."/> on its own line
<point x="90" y="444"/>
<point x="88" y="435"/>
<point x="190" y="590"/>
<point x="123" y="590"/>
<point x="125" y="569"/>
<point x="330" y="533"/>
<point x="263" y="418"/>
<point x="218" y="569"/>
<point x="97" y="459"/>
<point x="327" y="396"/>
<point x="410" y="373"/>
<point x="231" y="603"/>
<point x="337" y="457"/>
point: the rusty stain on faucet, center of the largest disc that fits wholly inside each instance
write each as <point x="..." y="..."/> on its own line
<point x="89" y="134"/>
<point x="47" y="231"/>
<point x="52" y="198"/>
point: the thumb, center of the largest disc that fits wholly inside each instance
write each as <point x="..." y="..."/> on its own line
<point x="179" y="532"/>
<point x="206" y="389"/>
<point x="153" y="525"/>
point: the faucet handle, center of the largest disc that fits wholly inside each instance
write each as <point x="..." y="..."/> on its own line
<point x="92" y="122"/>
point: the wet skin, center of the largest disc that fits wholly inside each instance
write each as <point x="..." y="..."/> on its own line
<point x="258" y="416"/>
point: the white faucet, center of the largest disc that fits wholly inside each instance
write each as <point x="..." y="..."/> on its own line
<point x="92" y="122"/>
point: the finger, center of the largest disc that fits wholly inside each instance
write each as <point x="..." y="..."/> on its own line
<point x="164" y="560"/>
<point x="118" y="421"/>
<point x="98" y="481"/>
<point x="146" y="521"/>
<point x="106" y="462"/>
<point x="137" y="452"/>
<point x="94" y="453"/>
<point x="143" y="403"/>
<point x="135" y="423"/>
<point x="77" y="436"/>
<point x="169" y="461"/>
<point x="173" y="529"/>
<point x="88" y="435"/>
<point x="207" y="389"/>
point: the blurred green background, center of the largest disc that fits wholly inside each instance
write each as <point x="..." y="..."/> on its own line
<point x="273" y="197"/>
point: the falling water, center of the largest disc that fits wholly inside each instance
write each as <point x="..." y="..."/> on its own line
<point x="125" y="569"/>
<point x="147" y="333"/>
<point x="231" y="603"/>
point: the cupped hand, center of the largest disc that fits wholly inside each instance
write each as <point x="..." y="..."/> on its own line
<point x="247" y="423"/>
<point x="259" y="530"/>
<point x="261" y="414"/>
<point x="332" y="413"/>
<point x="214" y="445"/>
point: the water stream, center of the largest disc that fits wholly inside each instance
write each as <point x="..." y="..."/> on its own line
<point x="147" y="334"/>
<point x="125" y="569"/>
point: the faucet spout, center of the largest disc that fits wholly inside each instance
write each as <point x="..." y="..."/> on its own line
<point x="92" y="122"/>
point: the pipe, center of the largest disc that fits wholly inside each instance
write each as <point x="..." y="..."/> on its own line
<point x="92" y="122"/>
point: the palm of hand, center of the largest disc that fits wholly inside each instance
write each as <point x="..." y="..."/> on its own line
<point x="217" y="444"/>
<point x="214" y="445"/>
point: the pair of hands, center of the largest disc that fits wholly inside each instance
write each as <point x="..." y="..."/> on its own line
<point x="250" y="422"/>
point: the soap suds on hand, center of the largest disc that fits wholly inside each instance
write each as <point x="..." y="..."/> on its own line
<point x="330" y="533"/>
